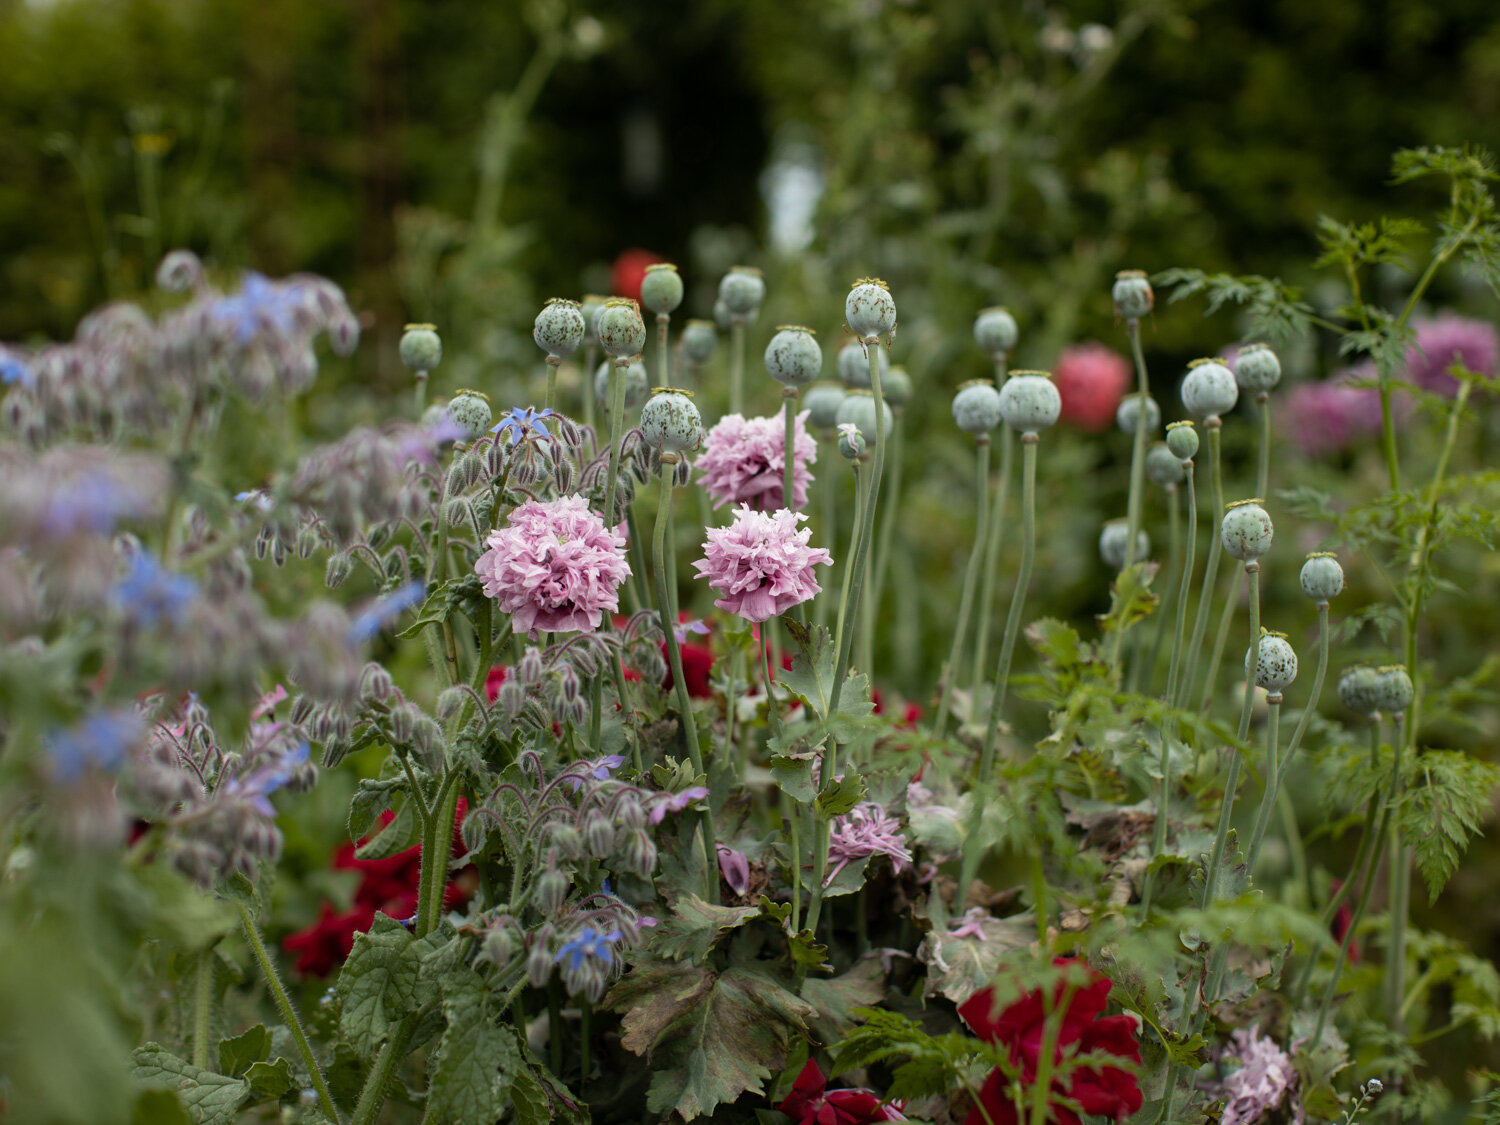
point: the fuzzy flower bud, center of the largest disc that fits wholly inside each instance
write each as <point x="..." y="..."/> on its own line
<point x="1322" y="576"/>
<point x="559" y="328"/>
<point x="622" y="333"/>
<point x="995" y="331"/>
<point x="741" y="291"/>
<point x="1132" y="295"/>
<point x="498" y="946"/>
<point x="1163" y="468"/>
<point x="539" y="965"/>
<point x="793" y="357"/>
<point x="1246" y="531"/>
<point x="1112" y="542"/>
<point x="1182" y="440"/>
<point x="552" y="887"/>
<point x="976" y="407"/>
<point x="427" y="745"/>
<point x="566" y="839"/>
<point x="1275" y="662"/>
<point x="699" y="338"/>
<point x="1029" y="402"/>
<point x="661" y="288"/>
<point x="822" y="401"/>
<point x="179" y="271"/>
<point x="471" y="410"/>
<point x="870" y="310"/>
<point x="670" y="422"/>
<point x="1208" y="389"/>
<point x="421" y="347"/>
<point x="1128" y="413"/>
<point x="639" y="853"/>
<point x="599" y="834"/>
<point x="858" y="407"/>
<point x="1256" y="369"/>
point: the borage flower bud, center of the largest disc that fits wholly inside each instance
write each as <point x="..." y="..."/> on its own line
<point x="1128" y="413"/>
<point x="450" y="702"/>
<point x="854" y="368"/>
<point x="637" y="385"/>
<point x="1208" y="389"/>
<point x="539" y="964"/>
<point x="498" y="946"/>
<point x="661" y="288"/>
<point x="471" y="410"/>
<point x="793" y="357"/>
<point x="1132" y="295"/>
<point x="1322" y="577"/>
<point x="870" y="310"/>
<point x="858" y="407"/>
<point x="1029" y="402"/>
<point x="976" y="407"/>
<point x="599" y="833"/>
<point x="338" y="570"/>
<point x="670" y="422"/>
<point x="995" y="331"/>
<point x="1246" y="531"/>
<point x="621" y="331"/>
<point x="896" y="386"/>
<point x="559" y="328"/>
<point x="566" y="839"/>
<point x="1393" y="689"/>
<point x="1275" y="662"/>
<point x="1112" y="542"/>
<point x="552" y="887"/>
<point x="1163" y="469"/>
<point x="639" y="853"/>
<point x="1358" y="689"/>
<point x="629" y="814"/>
<point x="822" y="401"/>
<point x="1256" y="368"/>
<point x="741" y="291"/>
<point x="699" y="338"/>
<point x="427" y="745"/>
<point x="1182" y="440"/>
<point x="421" y="347"/>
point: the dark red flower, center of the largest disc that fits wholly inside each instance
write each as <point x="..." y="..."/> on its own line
<point x="629" y="271"/>
<point x="697" y="664"/>
<point x="1091" y="379"/>
<point x="492" y="681"/>
<point x="328" y="941"/>
<point x="1343" y="918"/>
<point x="812" y="1103"/>
<point x="1107" y="1091"/>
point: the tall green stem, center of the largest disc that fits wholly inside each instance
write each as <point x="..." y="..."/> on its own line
<point x="1138" y="446"/>
<point x="893" y="505"/>
<point x="971" y="575"/>
<point x="737" y="366"/>
<point x="1211" y="571"/>
<point x="551" y="396"/>
<point x="616" y="421"/>
<point x="1174" y="559"/>
<point x="590" y="361"/>
<point x="828" y="511"/>
<point x="991" y="575"/>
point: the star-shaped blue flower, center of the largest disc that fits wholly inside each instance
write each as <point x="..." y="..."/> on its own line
<point x="524" y="420"/>
<point x="589" y="945"/>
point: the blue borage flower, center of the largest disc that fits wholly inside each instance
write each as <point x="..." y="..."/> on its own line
<point x="600" y="769"/>
<point x="524" y="420"/>
<point x="257" y="787"/>
<point x="100" y="739"/>
<point x="13" y="370"/>
<point x="260" y="304"/>
<point x="150" y="593"/>
<point x="94" y="502"/>
<point x="367" y="624"/>
<point x="589" y="945"/>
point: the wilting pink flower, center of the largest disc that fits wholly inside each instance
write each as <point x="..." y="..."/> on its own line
<point x="744" y="459"/>
<point x="555" y="568"/>
<point x="866" y="830"/>
<point x="1091" y="380"/>
<point x="761" y="564"/>
<point x="1448" y="339"/>
<point x="1263" y="1081"/>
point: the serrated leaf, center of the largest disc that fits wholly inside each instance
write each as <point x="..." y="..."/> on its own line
<point x="371" y="799"/>
<point x="377" y="984"/>
<point x="1440" y="815"/>
<point x="1131" y="598"/>
<point x="435" y="608"/>
<point x="210" y="1098"/>
<point x="793" y="776"/>
<point x="251" y="1046"/>
<point x="697" y="926"/>
<point x="837" y="999"/>
<point x="810" y="678"/>
<point x="271" y="1081"/>
<point x="405" y="831"/>
<point x="849" y="879"/>
<point x="841" y="794"/>
<point x="474" y="1065"/>
<point x="807" y="951"/>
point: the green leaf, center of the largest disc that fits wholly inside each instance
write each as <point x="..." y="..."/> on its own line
<point x="810" y="678"/>
<point x="159" y="1107"/>
<point x="210" y="1099"/>
<point x="473" y="1066"/>
<point x="841" y="795"/>
<point x="807" y="951"/>
<point x="1131" y="599"/>
<point x="837" y="999"/>
<point x="958" y="967"/>
<point x="710" y="1037"/>
<point x="372" y="798"/>
<point x="181" y="913"/>
<point x="540" y="1099"/>
<point x="456" y="594"/>
<point x="1444" y="810"/>
<point x="377" y="984"/>
<point x="697" y="926"/>
<point x="271" y="1081"/>
<point x="793" y="775"/>
<point x="236" y="1055"/>
<point x="403" y="832"/>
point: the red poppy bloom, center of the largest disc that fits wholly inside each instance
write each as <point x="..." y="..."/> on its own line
<point x="812" y="1103"/>
<point x="1107" y="1091"/>
<point x="1091" y="379"/>
<point x="629" y="271"/>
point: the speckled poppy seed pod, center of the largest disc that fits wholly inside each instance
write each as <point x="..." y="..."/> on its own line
<point x="854" y="368"/>
<point x="592" y="306"/>
<point x="821" y="401"/>
<point x="622" y="332"/>
<point x="870" y="310"/>
<point x="1246" y="531"/>
<point x="1129" y="412"/>
<point x="1322" y="577"/>
<point x="793" y="357"/>
<point x="1112" y="541"/>
<point x="699" y="338"/>
<point x="976" y="407"/>
<point x="741" y="291"/>
<point x="670" y="421"/>
<point x="421" y="347"/>
<point x="637" y="384"/>
<point x="1163" y="469"/>
<point x="1182" y="440"/>
<point x="995" y="331"/>
<point x="859" y="407"/>
<point x="1256" y="369"/>
<point x="661" y="288"/>
<point x="1132" y="295"/>
<point x="1393" y="689"/>
<point x="559" y="327"/>
<point x="1029" y="402"/>
<point x="1275" y="663"/>
<point x="896" y="386"/>
<point x="1357" y="689"/>
<point x="471" y="410"/>
<point x="1208" y="389"/>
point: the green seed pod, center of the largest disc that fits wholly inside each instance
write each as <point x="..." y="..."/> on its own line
<point x="592" y="306"/>
<point x="821" y="401"/>
<point x="1208" y="389"/>
<point x="859" y="407"/>
<point x="1029" y="402"/>
<point x="637" y="385"/>
<point x="1129" y="412"/>
<point x="699" y="338"/>
<point x="851" y="442"/>
<point x="1393" y="689"/>
<point x="559" y="327"/>
<point x="976" y="407"/>
<point x="471" y="410"/>
<point x="670" y="422"/>
<point x="870" y="310"/>
<point x="793" y="357"/>
<point x="1322" y="576"/>
<point x="1182" y="440"/>
<point x="1163" y="468"/>
<point x="661" y="288"/>
<point x="421" y="347"/>
<point x="854" y="369"/>
<point x="1132" y="293"/>
<point x="1246" y="530"/>
<point x="1358" y="689"/>
<point x="1112" y="540"/>
<point x="741" y="291"/>
<point x="896" y="386"/>
<point x="995" y="331"/>
<point x="1275" y="664"/>
<point x="1256" y="368"/>
<point x="620" y="328"/>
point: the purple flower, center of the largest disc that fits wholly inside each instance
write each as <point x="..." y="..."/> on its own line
<point x="588" y="945"/>
<point x="1334" y="414"/>
<point x="555" y="568"/>
<point x="1263" y="1081"/>
<point x="866" y="830"/>
<point x="93" y="503"/>
<point x="761" y="564"/>
<point x="100" y="739"/>
<point x="365" y="626"/>
<point x="257" y="788"/>
<point x="150" y="593"/>
<point x="522" y="421"/>
<point x="260" y="304"/>
<point x="675" y="802"/>
<point x="600" y="769"/>
<point x="735" y="868"/>
<point x="683" y="628"/>
<point x="744" y="461"/>
<point x="1448" y="339"/>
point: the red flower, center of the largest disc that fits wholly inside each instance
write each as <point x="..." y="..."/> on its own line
<point x="1091" y="380"/>
<point x="629" y="271"/>
<point x="697" y="663"/>
<point x="492" y="681"/>
<point x="1107" y="1091"/>
<point x="328" y="941"/>
<point x="812" y="1103"/>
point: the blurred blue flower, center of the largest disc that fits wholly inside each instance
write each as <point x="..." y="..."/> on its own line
<point x="600" y="769"/>
<point x="101" y="740"/>
<point x="95" y="503"/>
<point x="12" y="370"/>
<point x="589" y="945"/>
<point x="262" y="782"/>
<point x="260" y="304"/>
<point x="150" y="592"/>
<point x="522" y="421"/>
<point x="398" y="601"/>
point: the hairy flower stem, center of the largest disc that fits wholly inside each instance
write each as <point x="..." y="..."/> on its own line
<point x="1041" y="1089"/>
<point x="288" y="1013"/>
<point x="674" y="659"/>
<point x="1262" y="484"/>
<point x="436" y="846"/>
<point x="971" y="854"/>
<point x="552" y="363"/>
<point x="1211" y="571"/>
<point x="848" y="576"/>
<point x="383" y="1072"/>
<point x="789" y="397"/>
<point x="992" y="546"/>
<point x="1138" y="446"/>
<point x="971" y="575"/>
<point x="203" y="999"/>
<point x="737" y="365"/>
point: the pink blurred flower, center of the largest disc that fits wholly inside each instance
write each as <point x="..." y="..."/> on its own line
<point x="1263" y="1082"/>
<point x="555" y="568"/>
<point x="1448" y="339"/>
<point x="1328" y="416"/>
<point x="866" y="830"/>
<point x="1091" y="379"/>
<point x="743" y="461"/>
<point x="761" y="564"/>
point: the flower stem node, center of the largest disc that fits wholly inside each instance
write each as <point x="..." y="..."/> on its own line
<point x="661" y="288"/>
<point x="741" y="292"/>
<point x="870" y="310"/>
<point x="854" y="368"/>
<point x="1256" y="369"/>
<point x="1275" y="662"/>
<point x="699" y="339"/>
<point x="421" y="347"/>
<point x="471" y="410"/>
<point x="1163" y="469"/>
<point x="1209" y="389"/>
<point x="995" y="331"/>
<point x="1132" y="295"/>
<point x="670" y="421"/>
<point x="1128" y="414"/>
<point x="1322" y="576"/>
<point x="1182" y="440"/>
<point x="1246" y="531"/>
<point x="559" y="328"/>
<point x="1358" y="689"/>
<point x="637" y="385"/>
<point x="1029" y="402"/>
<point x="621" y="331"/>
<point x="859" y="407"/>
<point x="793" y="357"/>
<point x="1112" y="540"/>
<point x="822" y="401"/>
<point x="1393" y="689"/>
<point x="976" y="407"/>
